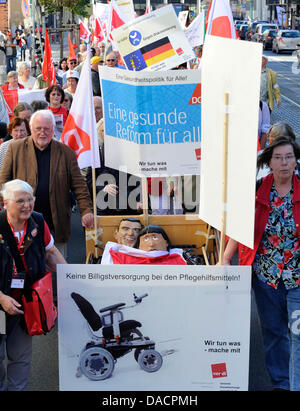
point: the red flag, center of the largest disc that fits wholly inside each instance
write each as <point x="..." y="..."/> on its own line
<point x="168" y="259"/>
<point x="121" y="254"/>
<point x="84" y="31"/>
<point x="117" y="18"/>
<point x="48" y="70"/>
<point x="72" y="53"/>
<point x="220" y="20"/>
<point x="148" y="9"/>
<point x="99" y="32"/>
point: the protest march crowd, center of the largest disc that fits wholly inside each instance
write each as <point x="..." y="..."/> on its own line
<point x="42" y="183"/>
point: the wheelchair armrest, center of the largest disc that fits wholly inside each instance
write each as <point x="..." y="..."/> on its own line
<point x="112" y="307"/>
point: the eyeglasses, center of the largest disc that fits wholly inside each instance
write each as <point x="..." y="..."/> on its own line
<point x="21" y="201"/>
<point x="110" y="60"/>
<point x="72" y="62"/>
<point x="46" y="130"/>
<point x="287" y="158"/>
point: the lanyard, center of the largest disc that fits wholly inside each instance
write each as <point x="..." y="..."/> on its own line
<point x="19" y="243"/>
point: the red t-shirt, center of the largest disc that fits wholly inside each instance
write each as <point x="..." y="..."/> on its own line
<point x="58" y="112"/>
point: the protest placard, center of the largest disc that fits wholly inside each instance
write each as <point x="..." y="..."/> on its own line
<point x="232" y="67"/>
<point x="196" y="320"/>
<point x="154" y="41"/>
<point x="152" y="121"/>
<point x="127" y="8"/>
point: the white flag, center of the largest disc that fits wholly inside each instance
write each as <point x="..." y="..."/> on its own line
<point x="80" y="131"/>
<point x="195" y="31"/>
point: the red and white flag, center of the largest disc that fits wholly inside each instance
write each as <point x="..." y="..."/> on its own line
<point x="80" y="132"/>
<point x="115" y="253"/>
<point x="48" y="70"/>
<point x="98" y="32"/>
<point x="220" y="21"/>
<point x="116" y="19"/>
<point x="84" y="32"/>
<point x="14" y="97"/>
<point x="148" y="8"/>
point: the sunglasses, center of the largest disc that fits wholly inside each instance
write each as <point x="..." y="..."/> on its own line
<point x="111" y="60"/>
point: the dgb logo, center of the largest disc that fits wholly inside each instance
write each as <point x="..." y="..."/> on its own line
<point x="196" y="97"/>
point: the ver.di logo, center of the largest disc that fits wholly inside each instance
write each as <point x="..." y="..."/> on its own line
<point x="135" y="37"/>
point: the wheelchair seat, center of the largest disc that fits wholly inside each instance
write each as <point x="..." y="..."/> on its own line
<point x="126" y="327"/>
<point x="87" y="310"/>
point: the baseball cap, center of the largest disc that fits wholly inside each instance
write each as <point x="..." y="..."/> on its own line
<point x="72" y="74"/>
<point x="96" y="59"/>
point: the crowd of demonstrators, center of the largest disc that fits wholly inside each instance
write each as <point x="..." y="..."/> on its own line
<point x="29" y="151"/>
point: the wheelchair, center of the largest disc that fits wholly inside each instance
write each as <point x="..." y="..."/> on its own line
<point x="117" y="337"/>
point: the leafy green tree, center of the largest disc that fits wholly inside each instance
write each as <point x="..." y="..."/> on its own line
<point x="77" y="7"/>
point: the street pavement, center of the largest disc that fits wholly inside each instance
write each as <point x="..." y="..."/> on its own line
<point x="44" y="375"/>
<point x="288" y="77"/>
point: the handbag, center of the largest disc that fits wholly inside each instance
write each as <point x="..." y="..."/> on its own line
<point x="37" y="299"/>
<point x="39" y="310"/>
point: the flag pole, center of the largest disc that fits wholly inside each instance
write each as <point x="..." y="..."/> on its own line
<point x="224" y="179"/>
<point x="145" y="200"/>
<point x="95" y="211"/>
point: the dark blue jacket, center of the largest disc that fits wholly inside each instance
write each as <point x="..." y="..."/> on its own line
<point x="34" y="252"/>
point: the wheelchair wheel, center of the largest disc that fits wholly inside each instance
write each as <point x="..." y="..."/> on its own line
<point x="96" y="363"/>
<point x="150" y="360"/>
<point x="137" y="351"/>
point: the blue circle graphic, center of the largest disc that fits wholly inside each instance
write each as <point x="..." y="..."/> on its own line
<point x="135" y="37"/>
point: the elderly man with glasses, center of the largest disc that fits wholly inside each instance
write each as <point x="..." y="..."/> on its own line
<point x="51" y="168"/>
<point x="111" y="60"/>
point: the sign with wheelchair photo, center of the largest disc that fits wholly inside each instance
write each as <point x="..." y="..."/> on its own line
<point x="153" y="328"/>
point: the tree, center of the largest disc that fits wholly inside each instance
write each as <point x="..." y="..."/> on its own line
<point x="77" y="7"/>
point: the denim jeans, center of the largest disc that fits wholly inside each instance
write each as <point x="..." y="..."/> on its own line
<point x="11" y="63"/>
<point x="279" y="312"/>
<point x="17" y="345"/>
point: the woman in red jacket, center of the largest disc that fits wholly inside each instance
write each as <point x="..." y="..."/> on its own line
<point x="275" y="261"/>
<point x="11" y="82"/>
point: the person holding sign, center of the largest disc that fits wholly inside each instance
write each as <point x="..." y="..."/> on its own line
<point x="275" y="261"/>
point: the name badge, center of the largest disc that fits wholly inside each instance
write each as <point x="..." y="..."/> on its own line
<point x="18" y="281"/>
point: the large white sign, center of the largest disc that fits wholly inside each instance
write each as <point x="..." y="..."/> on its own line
<point x="152" y="121"/>
<point x="154" y="41"/>
<point x="153" y="328"/>
<point x="233" y="67"/>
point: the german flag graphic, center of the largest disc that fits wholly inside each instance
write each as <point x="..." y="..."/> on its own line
<point x="158" y="51"/>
